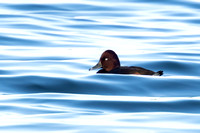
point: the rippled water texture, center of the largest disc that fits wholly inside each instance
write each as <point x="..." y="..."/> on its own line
<point x="47" y="47"/>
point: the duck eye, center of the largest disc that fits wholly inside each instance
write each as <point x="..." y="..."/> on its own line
<point x="106" y="58"/>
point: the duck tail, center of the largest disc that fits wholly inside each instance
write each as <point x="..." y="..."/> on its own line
<point x="160" y="73"/>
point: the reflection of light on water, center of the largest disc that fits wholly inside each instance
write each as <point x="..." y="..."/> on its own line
<point x="85" y="97"/>
<point x="65" y="52"/>
<point x="51" y="46"/>
<point x="41" y="1"/>
<point x="139" y="122"/>
<point x="65" y="115"/>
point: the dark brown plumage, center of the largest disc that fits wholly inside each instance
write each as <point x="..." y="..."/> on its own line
<point x="109" y="62"/>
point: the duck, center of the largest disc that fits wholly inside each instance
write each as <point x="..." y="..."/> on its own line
<point x="109" y="63"/>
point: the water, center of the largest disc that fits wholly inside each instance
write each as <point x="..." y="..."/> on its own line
<point x="47" y="47"/>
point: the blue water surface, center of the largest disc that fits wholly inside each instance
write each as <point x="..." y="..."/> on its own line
<point x="47" y="47"/>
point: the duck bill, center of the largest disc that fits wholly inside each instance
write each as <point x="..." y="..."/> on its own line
<point x="98" y="65"/>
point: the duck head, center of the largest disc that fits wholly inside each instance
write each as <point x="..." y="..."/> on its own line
<point x="108" y="61"/>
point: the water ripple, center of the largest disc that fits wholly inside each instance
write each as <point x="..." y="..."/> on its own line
<point x="46" y="49"/>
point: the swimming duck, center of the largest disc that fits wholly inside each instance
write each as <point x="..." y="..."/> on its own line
<point x="109" y="62"/>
